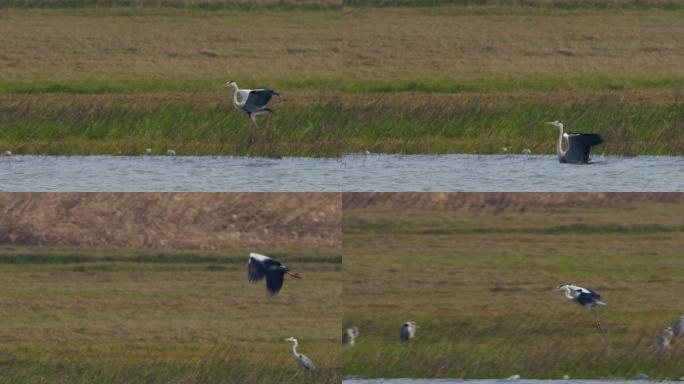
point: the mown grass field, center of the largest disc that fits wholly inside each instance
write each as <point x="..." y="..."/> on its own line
<point x="118" y="77"/>
<point x="477" y="277"/>
<point x="94" y="315"/>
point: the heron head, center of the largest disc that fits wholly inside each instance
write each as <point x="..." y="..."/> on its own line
<point x="292" y="338"/>
<point x="556" y="124"/>
<point x="230" y="83"/>
<point x="562" y="287"/>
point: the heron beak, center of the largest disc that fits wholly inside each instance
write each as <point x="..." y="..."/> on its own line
<point x="295" y="275"/>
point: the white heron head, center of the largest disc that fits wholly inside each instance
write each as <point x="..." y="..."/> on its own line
<point x="556" y="124"/>
<point x="230" y="83"/>
<point x="292" y="339"/>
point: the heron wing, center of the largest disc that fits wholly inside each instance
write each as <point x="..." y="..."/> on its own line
<point x="274" y="281"/>
<point x="579" y="146"/>
<point x="258" y="98"/>
<point x="305" y="362"/>
<point x="255" y="270"/>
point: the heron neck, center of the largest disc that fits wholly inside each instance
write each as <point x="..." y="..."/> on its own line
<point x="559" y="148"/>
<point x="294" y="347"/>
<point x="235" y="94"/>
<point x="568" y="295"/>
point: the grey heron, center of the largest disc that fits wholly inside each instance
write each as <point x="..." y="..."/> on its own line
<point x="302" y="359"/>
<point x="408" y="331"/>
<point x="584" y="297"/>
<point x="665" y="339"/>
<point x="578" y="145"/>
<point x="349" y="335"/>
<point x="260" y="266"/>
<point x="251" y="101"/>
<point x="679" y="327"/>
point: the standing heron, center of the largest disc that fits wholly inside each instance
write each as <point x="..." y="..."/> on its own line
<point x="584" y="297"/>
<point x="260" y="266"/>
<point x="578" y="145"/>
<point x="679" y="327"/>
<point x="665" y="339"/>
<point x="349" y="335"/>
<point x="302" y="359"/>
<point x="408" y="331"/>
<point x="252" y="101"/>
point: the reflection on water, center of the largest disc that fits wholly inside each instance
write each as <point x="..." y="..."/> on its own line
<point x="157" y="173"/>
<point x="349" y="173"/>
<point x="443" y="381"/>
<point x="510" y="173"/>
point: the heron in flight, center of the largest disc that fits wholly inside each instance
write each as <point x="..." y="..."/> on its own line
<point x="408" y="331"/>
<point x="578" y="145"/>
<point x="302" y="359"/>
<point x="251" y="101"/>
<point x="260" y="266"/>
<point x="349" y="335"/>
<point x="679" y="327"/>
<point x="584" y="297"/>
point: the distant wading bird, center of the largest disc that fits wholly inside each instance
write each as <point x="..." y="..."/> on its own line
<point x="679" y="327"/>
<point x="584" y="297"/>
<point x="665" y="339"/>
<point x="252" y="101"/>
<point x="302" y="359"/>
<point x="578" y="145"/>
<point x="408" y="331"/>
<point x="260" y="266"/>
<point x="349" y="335"/>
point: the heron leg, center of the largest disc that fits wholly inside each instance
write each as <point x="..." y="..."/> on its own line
<point x="597" y="321"/>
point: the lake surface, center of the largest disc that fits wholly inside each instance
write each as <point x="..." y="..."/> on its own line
<point x="508" y="173"/>
<point x="349" y="173"/>
<point x="443" y="381"/>
<point x="163" y="173"/>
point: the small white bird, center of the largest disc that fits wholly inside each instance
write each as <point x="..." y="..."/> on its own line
<point x="527" y="151"/>
<point x="251" y="101"/>
<point x="170" y="152"/>
<point x="8" y="153"/>
<point x="408" y="331"/>
<point x="679" y="327"/>
<point x="349" y="335"/>
<point x="302" y="359"/>
<point x="665" y="339"/>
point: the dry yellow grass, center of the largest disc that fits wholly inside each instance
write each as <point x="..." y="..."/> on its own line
<point x="166" y="44"/>
<point x="500" y="42"/>
<point x="171" y="220"/>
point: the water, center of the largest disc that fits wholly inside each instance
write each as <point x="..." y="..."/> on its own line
<point x="509" y="173"/>
<point x="444" y="381"/>
<point x="158" y="173"/>
<point x="349" y="173"/>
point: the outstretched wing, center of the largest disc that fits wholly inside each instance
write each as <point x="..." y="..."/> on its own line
<point x="274" y="281"/>
<point x="255" y="270"/>
<point x="579" y="146"/>
<point x="258" y="98"/>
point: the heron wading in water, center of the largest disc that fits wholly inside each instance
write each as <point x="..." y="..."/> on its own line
<point x="251" y="101"/>
<point x="578" y="145"/>
<point x="584" y="297"/>
<point x="260" y="266"/>
<point x="302" y="359"/>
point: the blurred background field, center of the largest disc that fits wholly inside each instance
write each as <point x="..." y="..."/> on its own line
<point x="147" y="288"/>
<point x="476" y="272"/>
<point x="117" y="77"/>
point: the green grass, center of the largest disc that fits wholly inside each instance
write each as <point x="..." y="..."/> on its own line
<point x="479" y="285"/>
<point x="544" y="4"/>
<point x="88" y="315"/>
<point x="485" y="127"/>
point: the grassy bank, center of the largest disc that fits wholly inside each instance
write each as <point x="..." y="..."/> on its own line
<point x="478" y="279"/>
<point x="80" y="315"/>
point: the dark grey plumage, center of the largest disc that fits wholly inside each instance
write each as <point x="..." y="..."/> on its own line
<point x="260" y="266"/>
